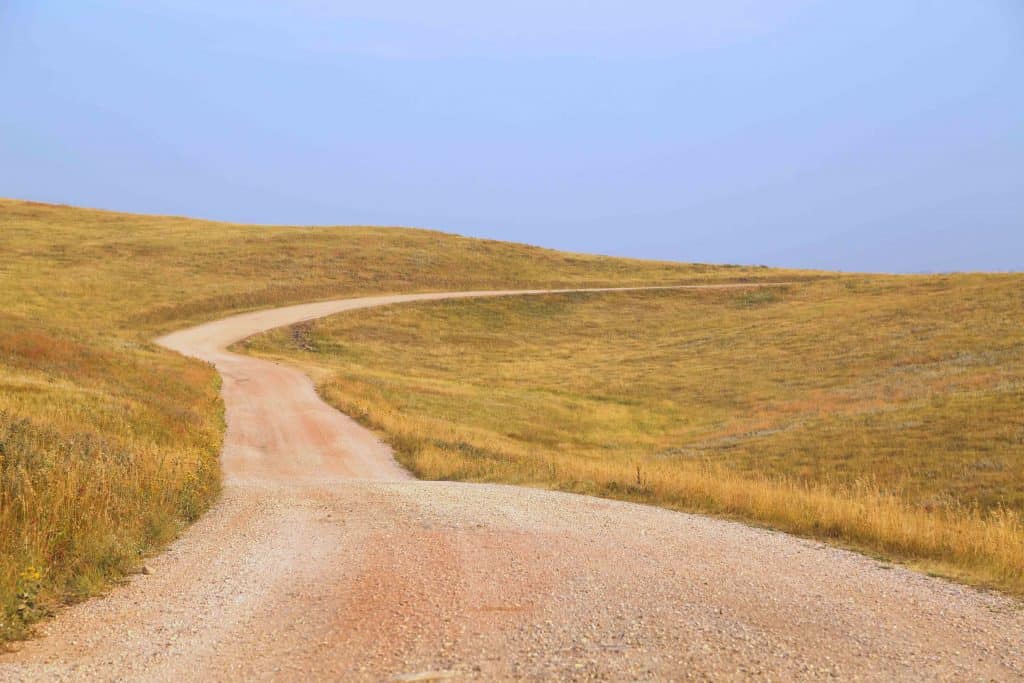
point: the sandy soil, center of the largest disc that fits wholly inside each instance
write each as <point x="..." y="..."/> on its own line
<point x="324" y="560"/>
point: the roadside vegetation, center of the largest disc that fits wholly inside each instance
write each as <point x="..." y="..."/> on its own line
<point x="880" y="413"/>
<point x="108" y="444"/>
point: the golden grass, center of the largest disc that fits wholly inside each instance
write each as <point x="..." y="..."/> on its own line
<point x="877" y="412"/>
<point x="108" y="444"/>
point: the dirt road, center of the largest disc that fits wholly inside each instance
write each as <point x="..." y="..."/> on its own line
<point x="324" y="560"/>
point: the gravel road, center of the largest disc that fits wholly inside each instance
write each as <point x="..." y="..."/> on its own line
<point x="324" y="560"/>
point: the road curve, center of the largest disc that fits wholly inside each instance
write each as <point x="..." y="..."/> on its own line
<point x="324" y="560"/>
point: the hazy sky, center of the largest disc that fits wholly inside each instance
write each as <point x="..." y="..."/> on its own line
<point x="866" y="135"/>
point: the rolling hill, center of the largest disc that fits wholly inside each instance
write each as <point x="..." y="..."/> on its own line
<point x="109" y="444"/>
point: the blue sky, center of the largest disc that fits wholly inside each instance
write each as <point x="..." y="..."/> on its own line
<point x="869" y="135"/>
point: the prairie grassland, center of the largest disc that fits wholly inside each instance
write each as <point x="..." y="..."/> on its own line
<point x="108" y="444"/>
<point x="878" y="412"/>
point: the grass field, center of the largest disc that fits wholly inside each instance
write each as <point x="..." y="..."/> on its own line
<point x="882" y="413"/>
<point x="108" y="444"/>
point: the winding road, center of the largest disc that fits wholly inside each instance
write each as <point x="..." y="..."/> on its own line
<point x="325" y="560"/>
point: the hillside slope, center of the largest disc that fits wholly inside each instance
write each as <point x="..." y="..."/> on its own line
<point x="880" y="412"/>
<point x="108" y="444"/>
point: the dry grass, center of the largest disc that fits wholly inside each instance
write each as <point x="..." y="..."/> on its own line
<point x="108" y="445"/>
<point x="882" y="413"/>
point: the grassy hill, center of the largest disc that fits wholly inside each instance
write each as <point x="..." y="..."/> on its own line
<point x="879" y="412"/>
<point x="108" y="444"/>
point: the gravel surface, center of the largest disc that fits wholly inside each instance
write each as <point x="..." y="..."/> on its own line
<point x="325" y="561"/>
